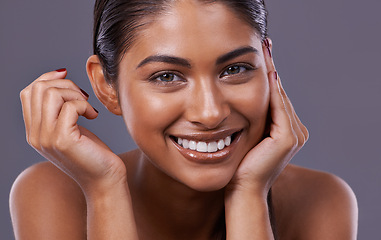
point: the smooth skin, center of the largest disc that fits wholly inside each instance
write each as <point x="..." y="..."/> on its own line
<point x="86" y="191"/>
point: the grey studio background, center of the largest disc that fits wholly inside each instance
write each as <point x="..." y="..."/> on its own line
<point x="327" y="53"/>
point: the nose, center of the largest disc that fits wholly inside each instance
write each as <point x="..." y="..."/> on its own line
<point x="207" y="106"/>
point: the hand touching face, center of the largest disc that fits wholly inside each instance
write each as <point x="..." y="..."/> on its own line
<point x="194" y="93"/>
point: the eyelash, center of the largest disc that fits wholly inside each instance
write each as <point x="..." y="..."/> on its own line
<point x="155" y="78"/>
<point x="176" y="78"/>
<point x="246" y="67"/>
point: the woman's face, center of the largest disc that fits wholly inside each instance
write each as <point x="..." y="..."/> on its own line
<point x="194" y="78"/>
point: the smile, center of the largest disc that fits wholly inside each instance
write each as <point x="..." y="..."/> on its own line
<point x="207" y="149"/>
<point x="203" y="147"/>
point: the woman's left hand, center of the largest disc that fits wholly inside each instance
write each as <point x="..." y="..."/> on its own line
<point x="262" y="165"/>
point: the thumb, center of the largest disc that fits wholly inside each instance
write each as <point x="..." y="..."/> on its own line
<point x="84" y="131"/>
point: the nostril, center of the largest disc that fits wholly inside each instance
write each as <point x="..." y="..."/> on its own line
<point x="208" y="106"/>
<point x="208" y="116"/>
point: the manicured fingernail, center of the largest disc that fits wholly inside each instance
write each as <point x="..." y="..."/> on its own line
<point x="276" y="75"/>
<point x="84" y="93"/>
<point x="61" y="70"/>
<point x="268" y="49"/>
<point x="266" y="42"/>
<point x="95" y="110"/>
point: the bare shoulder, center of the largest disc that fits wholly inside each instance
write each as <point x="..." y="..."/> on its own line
<point x="312" y="204"/>
<point x="45" y="203"/>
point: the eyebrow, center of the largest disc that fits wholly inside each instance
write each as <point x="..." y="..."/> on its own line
<point x="166" y="59"/>
<point x="235" y="53"/>
<point x="185" y="63"/>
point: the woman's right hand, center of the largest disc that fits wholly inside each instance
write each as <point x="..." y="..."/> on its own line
<point x="51" y="107"/>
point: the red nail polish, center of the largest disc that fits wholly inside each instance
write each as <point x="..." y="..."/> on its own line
<point x="84" y="93"/>
<point x="276" y="75"/>
<point x="266" y="42"/>
<point x="95" y="110"/>
<point x="61" y="70"/>
<point x="268" y="49"/>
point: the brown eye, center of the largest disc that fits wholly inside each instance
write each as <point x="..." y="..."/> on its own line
<point x="167" y="77"/>
<point x="235" y="69"/>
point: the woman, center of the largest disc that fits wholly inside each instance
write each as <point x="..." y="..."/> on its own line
<point x="197" y="88"/>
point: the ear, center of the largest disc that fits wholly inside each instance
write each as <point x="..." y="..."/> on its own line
<point x="267" y="48"/>
<point x="105" y="92"/>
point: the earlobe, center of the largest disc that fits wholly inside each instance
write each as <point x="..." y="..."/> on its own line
<point x="105" y="92"/>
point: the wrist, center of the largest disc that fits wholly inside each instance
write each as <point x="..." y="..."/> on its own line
<point x="236" y="190"/>
<point x="105" y="192"/>
<point x="244" y="196"/>
<point x="247" y="216"/>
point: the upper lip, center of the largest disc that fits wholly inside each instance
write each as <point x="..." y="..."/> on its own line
<point x="207" y="136"/>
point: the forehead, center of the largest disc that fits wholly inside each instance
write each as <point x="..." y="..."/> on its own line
<point x="192" y="29"/>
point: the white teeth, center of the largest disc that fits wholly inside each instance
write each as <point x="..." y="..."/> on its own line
<point x="202" y="147"/>
<point x="185" y="143"/>
<point x="192" y="145"/>
<point x="221" y="144"/>
<point x="210" y="147"/>
<point x="228" y="140"/>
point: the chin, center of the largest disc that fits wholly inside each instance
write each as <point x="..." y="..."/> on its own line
<point x="208" y="182"/>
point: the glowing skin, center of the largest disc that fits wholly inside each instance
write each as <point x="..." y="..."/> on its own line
<point x="204" y="101"/>
<point x="194" y="90"/>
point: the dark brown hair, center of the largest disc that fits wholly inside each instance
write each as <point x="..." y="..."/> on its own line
<point x="117" y="22"/>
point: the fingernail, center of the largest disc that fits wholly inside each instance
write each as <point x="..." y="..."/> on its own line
<point x="95" y="110"/>
<point x="61" y="70"/>
<point x="266" y="42"/>
<point x="84" y="93"/>
<point x="276" y="75"/>
<point x="268" y="49"/>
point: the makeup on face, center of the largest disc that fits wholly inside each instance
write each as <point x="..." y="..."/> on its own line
<point x="193" y="103"/>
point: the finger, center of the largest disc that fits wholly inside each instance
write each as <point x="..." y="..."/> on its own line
<point x="57" y="74"/>
<point x="68" y="116"/>
<point x="268" y="56"/>
<point x="52" y="103"/>
<point x="299" y="128"/>
<point x="37" y="93"/>
<point x="267" y="50"/>
<point x="281" y="122"/>
<point x="26" y="109"/>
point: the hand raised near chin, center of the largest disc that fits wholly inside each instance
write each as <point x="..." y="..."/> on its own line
<point x="51" y="107"/>
<point x="263" y="164"/>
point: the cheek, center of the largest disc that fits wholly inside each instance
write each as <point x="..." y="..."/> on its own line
<point x="148" y="114"/>
<point x="252" y="101"/>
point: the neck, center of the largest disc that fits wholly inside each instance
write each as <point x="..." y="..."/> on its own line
<point x="169" y="208"/>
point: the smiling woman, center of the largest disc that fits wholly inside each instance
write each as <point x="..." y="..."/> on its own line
<point x="197" y="88"/>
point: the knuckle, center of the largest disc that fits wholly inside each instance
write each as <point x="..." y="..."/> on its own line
<point x="60" y="145"/>
<point x="68" y="106"/>
<point x="301" y="140"/>
<point x="294" y="142"/>
<point x="46" y="143"/>
<point x="51" y="93"/>
<point x="306" y="133"/>
<point x="38" y="86"/>
<point x="24" y="93"/>
<point x="291" y="141"/>
<point x="34" y="142"/>
<point x="45" y="76"/>
<point x="70" y="83"/>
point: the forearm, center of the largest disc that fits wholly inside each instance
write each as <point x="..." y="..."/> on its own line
<point x="247" y="217"/>
<point x="110" y="216"/>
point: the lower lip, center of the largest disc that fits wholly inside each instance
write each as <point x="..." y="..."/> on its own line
<point x="208" y="158"/>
